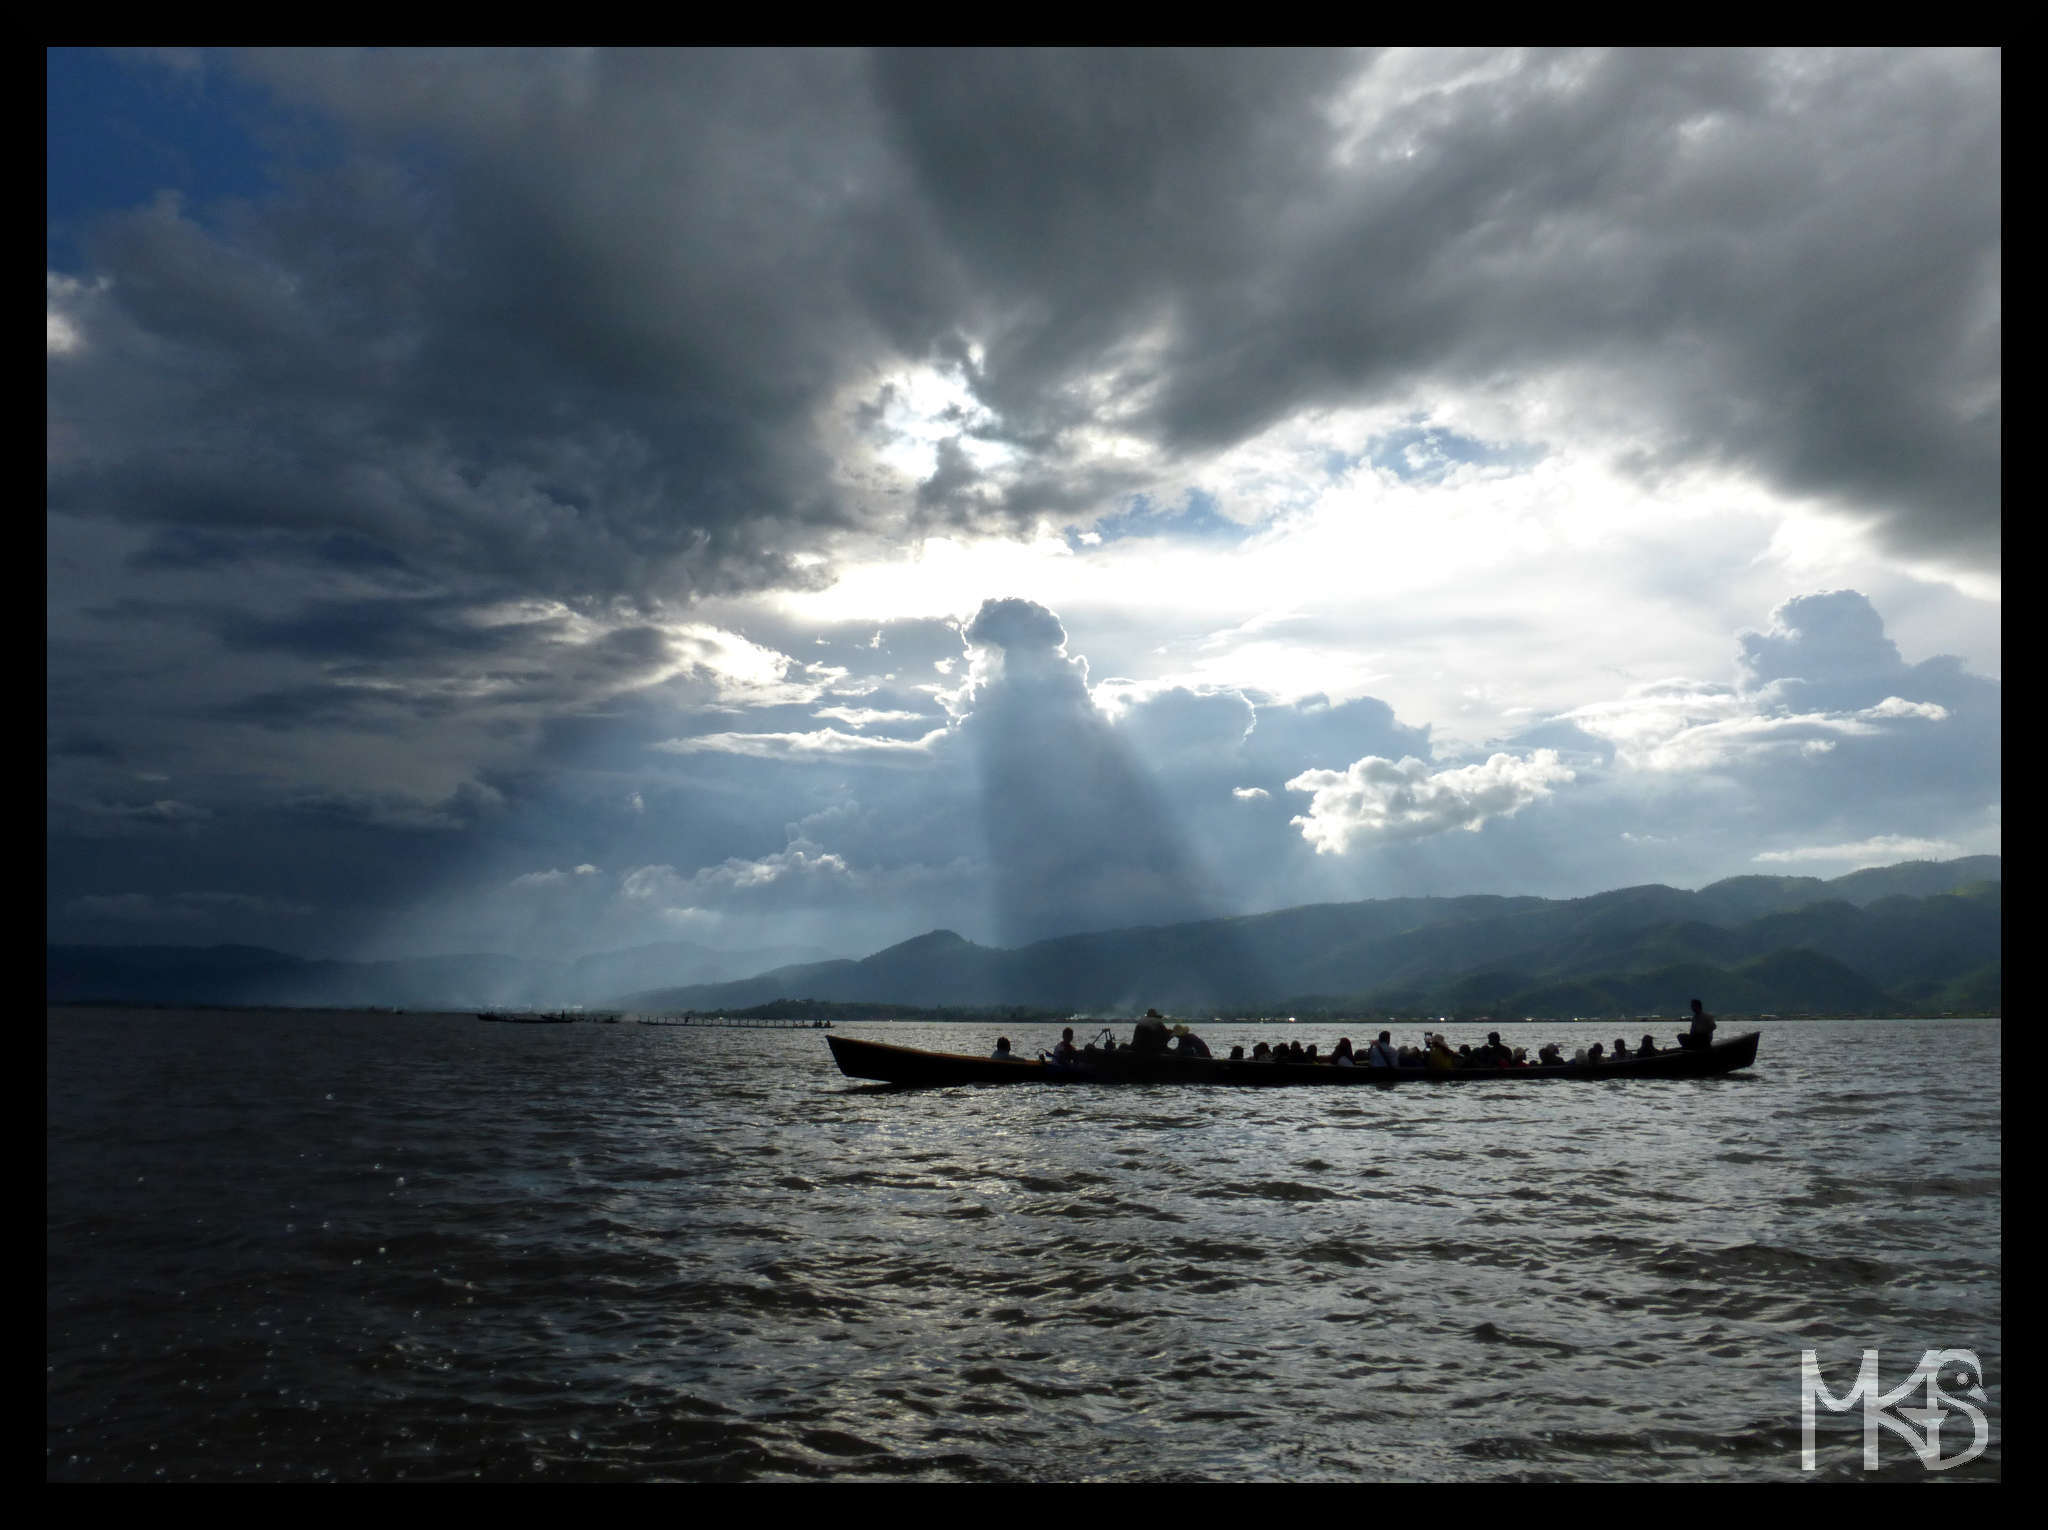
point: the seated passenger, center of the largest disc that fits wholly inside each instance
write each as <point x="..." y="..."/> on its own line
<point x="1549" y="1054"/>
<point x="1064" y="1052"/>
<point x="1620" y="1048"/>
<point x="1237" y="1054"/>
<point x="1595" y="1053"/>
<point x="1521" y="1057"/>
<point x="1342" y="1056"/>
<point x="1262" y="1053"/>
<point x="1647" y="1046"/>
<point x="1440" y="1053"/>
<point x="1311" y="1057"/>
<point x="1002" y="1051"/>
<point x="1188" y="1044"/>
<point x="1381" y="1053"/>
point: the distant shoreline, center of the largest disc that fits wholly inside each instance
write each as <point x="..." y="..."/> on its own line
<point x="909" y="1015"/>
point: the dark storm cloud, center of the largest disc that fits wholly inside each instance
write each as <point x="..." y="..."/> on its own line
<point x="1090" y="194"/>
<point x="84" y="746"/>
<point x="577" y="320"/>
<point x="179" y="549"/>
<point x="468" y="804"/>
<point x="1784" y="262"/>
<point x="371" y="628"/>
<point x="296" y="707"/>
<point x="433" y="440"/>
<point x="574" y="346"/>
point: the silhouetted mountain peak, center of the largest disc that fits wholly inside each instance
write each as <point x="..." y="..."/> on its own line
<point x="931" y="943"/>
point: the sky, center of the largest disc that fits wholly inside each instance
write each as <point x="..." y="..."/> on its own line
<point x="555" y="501"/>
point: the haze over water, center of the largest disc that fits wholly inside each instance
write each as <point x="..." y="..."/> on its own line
<point x="298" y="1246"/>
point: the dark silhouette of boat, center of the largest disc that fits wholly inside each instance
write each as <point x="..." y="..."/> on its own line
<point x="516" y="1019"/>
<point x="889" y="1064"/>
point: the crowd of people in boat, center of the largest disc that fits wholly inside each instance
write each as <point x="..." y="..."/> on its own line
<point x="1153" y="1036"/>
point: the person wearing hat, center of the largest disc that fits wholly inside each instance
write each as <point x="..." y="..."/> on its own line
<point x="1149" y="1034"/>
<point x="1188" y="1044"/>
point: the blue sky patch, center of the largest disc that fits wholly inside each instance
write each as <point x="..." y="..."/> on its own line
<point x="1195" y="518"/>
<point x="122" y="127"/>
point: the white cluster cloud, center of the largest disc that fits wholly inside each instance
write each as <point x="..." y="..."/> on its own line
<point x="1706" y="746"/>
<point x="1376" y="799"/>
<point x="866" y="717"/>
<point x="745" y="673"/>
<point x="1879" y="850"/>
<point x="1802" y="691"/>
<point x="819" y="744"/>
<point x="554" y="877"/>
<point x="665" y="885"/>
<point x="1894" y="706"/>
<point x="828" y="896"/>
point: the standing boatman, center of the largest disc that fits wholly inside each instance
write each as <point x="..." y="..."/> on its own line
<point x="1701" y="1036"/>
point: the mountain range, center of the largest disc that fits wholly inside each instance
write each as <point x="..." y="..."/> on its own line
<point x="1921" y="937"/>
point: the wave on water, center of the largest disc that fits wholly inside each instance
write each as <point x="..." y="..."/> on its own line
<point x="433" y="1250"/>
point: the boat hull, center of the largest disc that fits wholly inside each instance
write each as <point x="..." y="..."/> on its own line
<point x="883" y="1063"/>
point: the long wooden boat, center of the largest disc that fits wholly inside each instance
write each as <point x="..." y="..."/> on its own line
<point x="906" y="1065"/>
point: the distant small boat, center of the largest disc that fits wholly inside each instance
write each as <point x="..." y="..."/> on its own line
<point x="518" y="1019"/>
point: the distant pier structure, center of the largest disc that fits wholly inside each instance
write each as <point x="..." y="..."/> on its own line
<point x="690" y="1017"/>
<point x="736" y="1022"/>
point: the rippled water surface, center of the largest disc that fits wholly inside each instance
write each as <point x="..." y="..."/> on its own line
<point x="339" y="1246"/>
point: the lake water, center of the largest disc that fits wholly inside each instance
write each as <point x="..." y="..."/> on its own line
<point x="297" y="1246"/>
